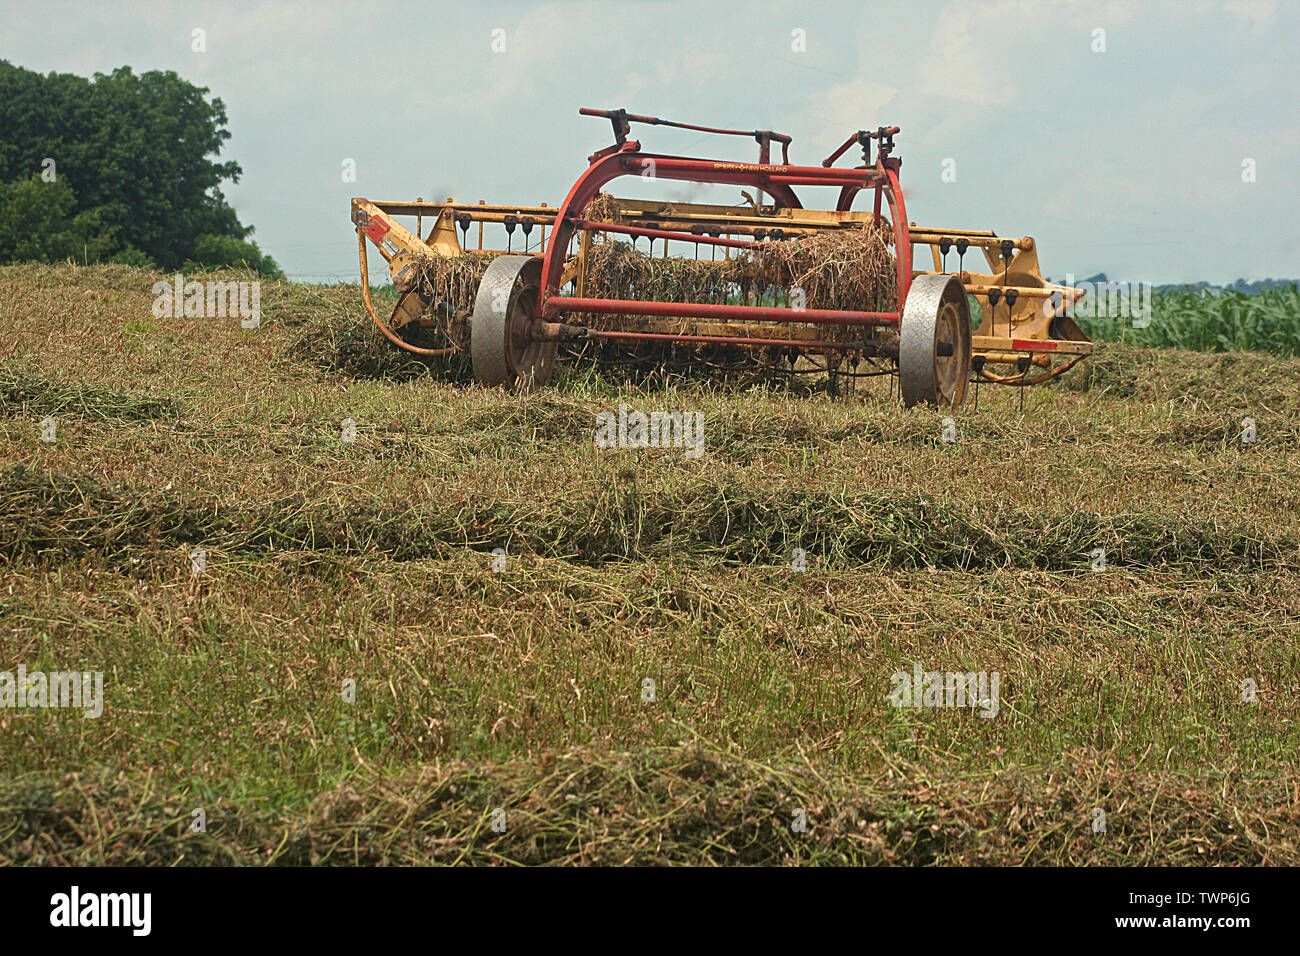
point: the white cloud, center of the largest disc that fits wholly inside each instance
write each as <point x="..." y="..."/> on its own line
<point x="957" y="66"/>
<point x="853" y="104"/>
<point x="1258" y="13"/>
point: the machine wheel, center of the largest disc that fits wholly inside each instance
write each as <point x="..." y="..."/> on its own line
<point x="934" y="342"/>
<point x="500" y="348"/>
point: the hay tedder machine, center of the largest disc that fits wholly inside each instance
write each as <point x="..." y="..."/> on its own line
<point x="785" y="288"/>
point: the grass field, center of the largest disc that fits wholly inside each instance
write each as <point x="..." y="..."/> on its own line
<point x="526" y="689"/>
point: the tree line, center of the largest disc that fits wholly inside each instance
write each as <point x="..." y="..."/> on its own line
<point x="117" y="168"/>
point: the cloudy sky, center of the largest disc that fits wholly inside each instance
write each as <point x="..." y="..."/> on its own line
<point x="1120" y="135"/>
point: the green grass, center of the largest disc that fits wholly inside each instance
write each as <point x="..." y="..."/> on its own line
<point x="523" y="690"/>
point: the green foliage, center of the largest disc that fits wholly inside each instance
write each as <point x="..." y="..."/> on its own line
<point x="1212" y="321"/>
<point x="138" y="150"/>
<point x="131" y="256"/>
<point x="37" y="222"/>
<point x="224" y="252"/>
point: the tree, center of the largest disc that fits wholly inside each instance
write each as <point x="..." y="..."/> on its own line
<point x="37" y="221"/>
<point x="223" y="251"/>
<point x="140" y="152"/>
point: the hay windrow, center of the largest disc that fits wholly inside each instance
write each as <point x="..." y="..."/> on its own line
<point x="27" y="394"/>
<point x="693" y="806"/>
<point x="52" y="517"/>
<point x="346" y="342"/>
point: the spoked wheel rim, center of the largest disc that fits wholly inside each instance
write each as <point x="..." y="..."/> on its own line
<point x="951" y="364"/>
<point x="531" y="362"/>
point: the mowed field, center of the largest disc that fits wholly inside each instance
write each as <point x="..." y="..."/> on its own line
<point x="527" y="690"/>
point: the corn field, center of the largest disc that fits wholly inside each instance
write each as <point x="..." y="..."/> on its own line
<point x="1203" y="321"/>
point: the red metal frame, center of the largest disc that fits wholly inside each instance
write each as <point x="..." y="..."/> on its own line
<point x="724" y="340"/>
<point x="705" y="310"/>
<point x="626" y="159"/>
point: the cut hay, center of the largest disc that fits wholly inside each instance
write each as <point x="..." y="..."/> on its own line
<point x="847" y="269"/>
<point x="53" y="517"/>
<point x="452" y="283"/>
<point x="604" y="208"/>
<point x="450" y="286"/>
<point x="23" y="393"/>
<point x="842" y="269"/>
<point x="650" y="806"/>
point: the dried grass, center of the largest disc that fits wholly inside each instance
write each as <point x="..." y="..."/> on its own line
<point x="54" y="517"/>
<point x="695" y="806"/>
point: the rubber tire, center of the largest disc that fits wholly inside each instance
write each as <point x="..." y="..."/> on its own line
<point x="919" y="335"/>
<point x="508" y="280"/>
